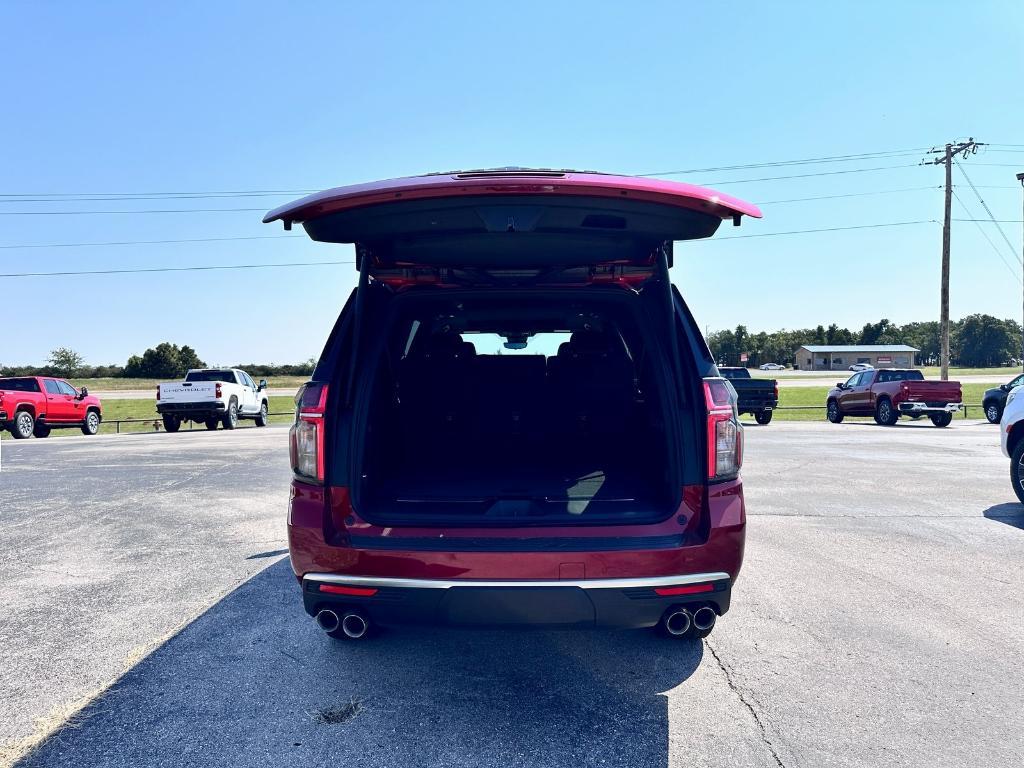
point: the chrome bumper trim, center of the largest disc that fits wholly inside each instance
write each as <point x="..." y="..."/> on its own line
<point x="632" y="583"/>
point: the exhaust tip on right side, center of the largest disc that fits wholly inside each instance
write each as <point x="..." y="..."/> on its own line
<point x="704" y="618"/>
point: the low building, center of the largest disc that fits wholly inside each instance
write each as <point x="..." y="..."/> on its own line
<point x="830" y="357"/>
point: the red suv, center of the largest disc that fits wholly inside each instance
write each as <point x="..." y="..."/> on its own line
<point x="34" y="405"/>
<point x="515" y="420"/>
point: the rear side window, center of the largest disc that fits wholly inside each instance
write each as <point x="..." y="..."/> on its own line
<point x="884" y="376"/>
<point x="52" y="388"/>
<point x="19" y="385"/>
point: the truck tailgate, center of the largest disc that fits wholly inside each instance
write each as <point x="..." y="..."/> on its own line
<point x="932" y="391"/>
<point x="188" y="392"/>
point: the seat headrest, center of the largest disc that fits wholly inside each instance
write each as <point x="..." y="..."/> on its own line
<point x="589" y="343"/>
<point x="446" y="345"/>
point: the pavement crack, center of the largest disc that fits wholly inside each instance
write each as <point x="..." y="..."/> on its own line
<point x="763" y="732"/>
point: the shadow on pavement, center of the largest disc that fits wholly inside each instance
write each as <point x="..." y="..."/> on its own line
<point x="252" y="682"/>
<point x="1011" y="514"/>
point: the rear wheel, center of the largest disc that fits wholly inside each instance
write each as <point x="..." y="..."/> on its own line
<point x="230" y="420"/>
<point x="23" y="426"/>
<point x="211" y="424"/>
<point x="993" y="413"/>
<point x="262" y="418"/>
<point x="91" y="425"/>
<point x="885" y="414"/>
<point x="941" y="419"/>
<point x="41" y="430"/>
<point x="1017" y="470"/>
<point x="834" y="414"/>
<point x="172" y="423"/>
<point x="763" y="417"/>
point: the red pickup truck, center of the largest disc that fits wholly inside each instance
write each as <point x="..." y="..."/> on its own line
<point x="887" y="394"/>
<point x="33" y="405"/>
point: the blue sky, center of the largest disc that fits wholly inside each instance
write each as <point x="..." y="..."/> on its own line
<point x="201" y="97"/>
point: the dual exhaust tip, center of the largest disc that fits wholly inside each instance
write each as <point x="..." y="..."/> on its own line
<point x="679" y="621"/>
<point x="352" y="624"/>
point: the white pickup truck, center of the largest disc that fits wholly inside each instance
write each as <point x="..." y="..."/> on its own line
<point x="212" y="396"/>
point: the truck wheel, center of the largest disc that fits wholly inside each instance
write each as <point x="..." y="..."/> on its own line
<point x="833" y="412"/>
<point x="230" y="420"/>
<point x="172" y="423"/>
<point x="1017" y="470"/>
<point x="23" y="426"/>
<point x="885" y="414"/>
<point x="763" y="417"/>
<point x="91" y="425"/>
<point x="262" y="418"/>
<point x="993" y="413"/>
<point x="211" y="424"/>
<point x="941" y="419"/>
<point x="41" y="430"/>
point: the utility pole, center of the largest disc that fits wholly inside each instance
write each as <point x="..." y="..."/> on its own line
<point x="1020" y="178"/>
<point x="962" y="148"/>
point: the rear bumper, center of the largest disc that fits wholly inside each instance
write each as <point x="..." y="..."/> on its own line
<point x="198" y="410"/>
<point x="568" y="577"/>
<point x="622" y="603"/>
<point x="921" y="407"/>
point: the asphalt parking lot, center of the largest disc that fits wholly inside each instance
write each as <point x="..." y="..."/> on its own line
<point x="878" y="621"/>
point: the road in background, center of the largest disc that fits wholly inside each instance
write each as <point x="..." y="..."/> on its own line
<point x="877" y="621"/>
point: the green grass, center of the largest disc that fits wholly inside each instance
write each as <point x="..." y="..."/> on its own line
<point x="146" y="409"/>
<point x="804" y="396"/>
<point x="111" y="384"/>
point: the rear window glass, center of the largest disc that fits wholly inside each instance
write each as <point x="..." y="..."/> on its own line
<point x="884" y="376"/>
<point x="546" y="344"/>
<point x="227" y="377"/>
<point x="19" y="385"/>
<point x="735" y="373"/>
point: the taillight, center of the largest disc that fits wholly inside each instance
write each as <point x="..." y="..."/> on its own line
<point x="216" y="390"/>
<point x="724" y="432"/>
<point x="306" y="437"/>
<point x="157" y="391"/>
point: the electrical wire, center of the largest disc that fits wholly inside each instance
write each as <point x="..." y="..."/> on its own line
<point x="825" y="229"/>
<point x="849" y="194"/>
<point x="154" y="242"/>
<point x="109" y="213"/>
<point x="176" y="269"/>
<point x="984" y="204"/>
<point x="998" y="252"/>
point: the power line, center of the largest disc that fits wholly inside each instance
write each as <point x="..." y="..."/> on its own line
<point x="981" y="229"/>
<point x="804" y="161"/>
<point x="849" y="194"/>
<point x="825" y="229"/>
<point x="107" y="213"/>
<point x="120" y="195"/>
<point x="106" y="199"/>
<point x="984" y="204"/>
<point x="176" y="269"/>
<point x="154" y="242"/>
<point x="804" y="175"/>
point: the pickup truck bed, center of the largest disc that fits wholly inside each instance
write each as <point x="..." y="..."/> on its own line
<point x="759" y="397"/>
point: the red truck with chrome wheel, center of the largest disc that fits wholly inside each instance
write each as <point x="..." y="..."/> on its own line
<point x="516" y="420"/>
<point x="35" y="405"/>
<point x="887" y="394"/>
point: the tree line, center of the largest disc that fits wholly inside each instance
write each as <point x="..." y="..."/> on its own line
<point x="164" y="361"/>
<point x="976" y="341"/>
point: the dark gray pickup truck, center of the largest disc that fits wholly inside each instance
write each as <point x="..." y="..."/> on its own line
<point x="757" y="396"/>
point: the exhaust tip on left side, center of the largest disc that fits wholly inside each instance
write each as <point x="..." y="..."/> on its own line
<point x="328" y="620"/>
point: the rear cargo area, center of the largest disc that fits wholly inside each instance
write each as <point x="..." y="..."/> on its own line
<point x="547" y="412"/>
